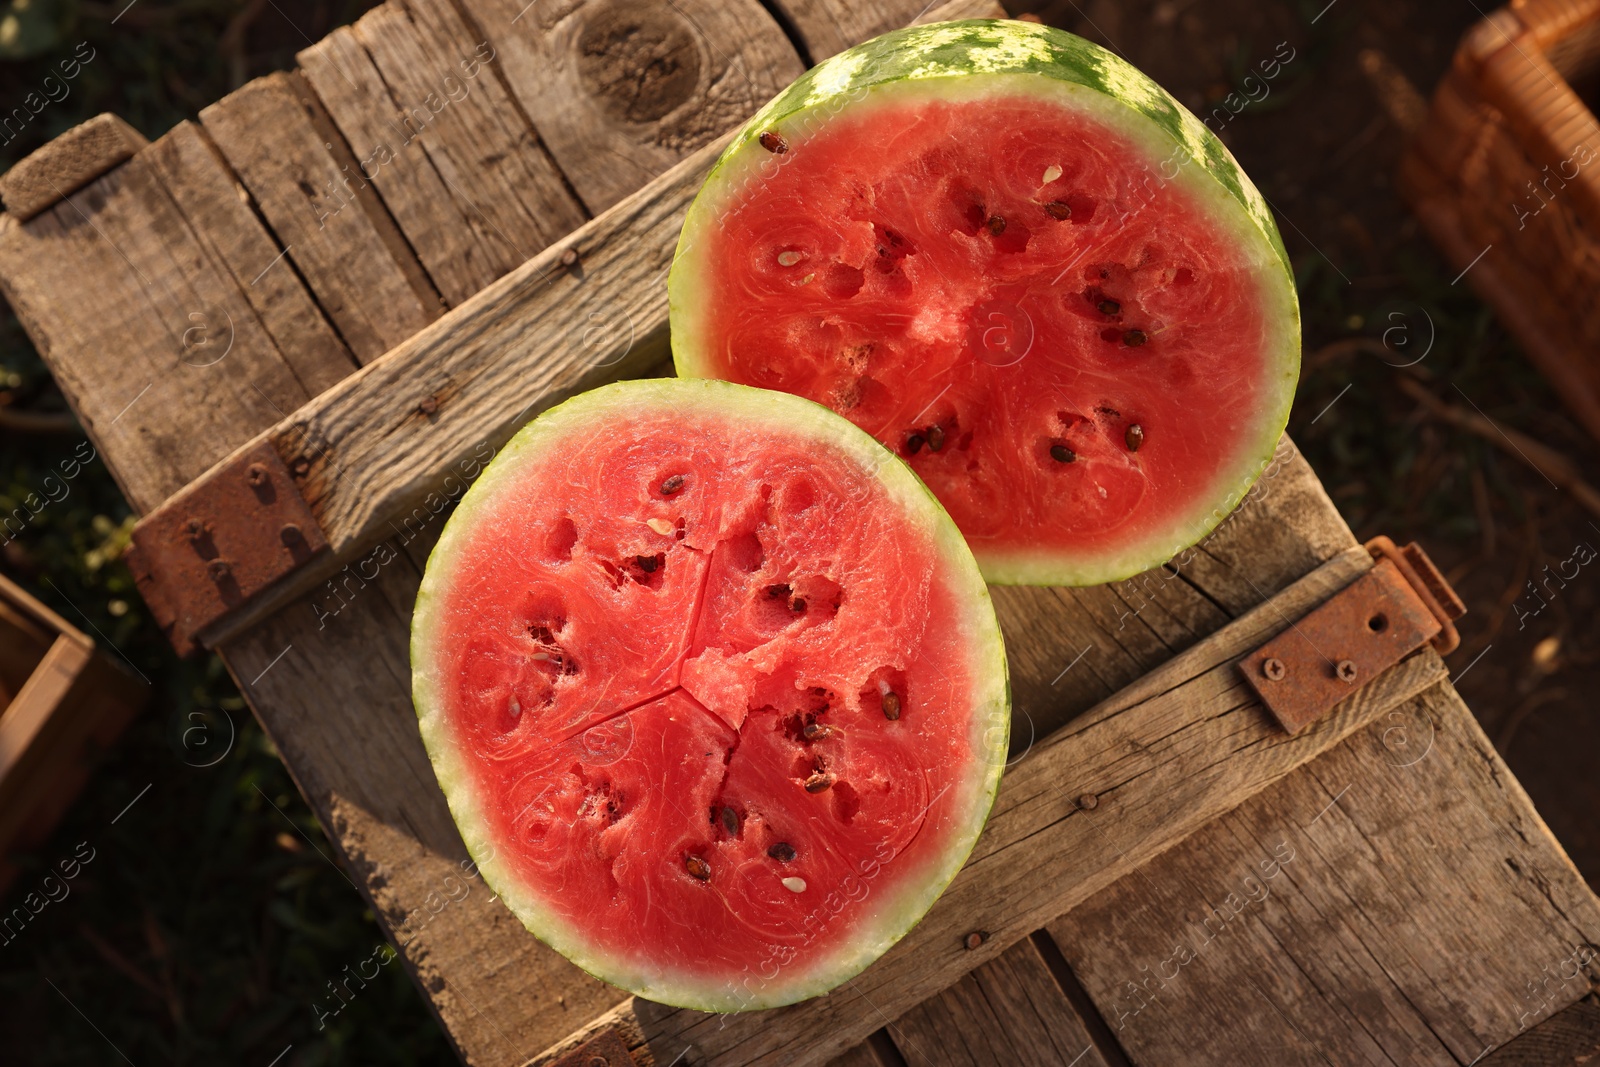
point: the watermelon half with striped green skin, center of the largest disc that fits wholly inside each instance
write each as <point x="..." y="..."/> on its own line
<point x="1021" y="265"/>
<point x="714" y="689"/>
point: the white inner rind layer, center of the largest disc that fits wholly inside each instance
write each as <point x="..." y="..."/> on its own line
<point x="1063" y="71"/>
<point x="898" y="906"/>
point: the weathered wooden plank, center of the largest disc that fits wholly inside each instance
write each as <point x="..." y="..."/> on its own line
<point x="1398" y="901"/>
<point x="1008" y="1013"/>
<point x="331" y="684"/>
<point x="171" y="332"/>
<point x="68" y="163"/>
<point x="459" y="168"/>
<point x="827" y="27"/>
<point x="329" y="221"/>
<point x="1157" y="771"/>
<point x="535" y="336"/>
<point x="215" y="205"/>
<point x="621" y="90"/>
<point x="1569" y="1038"/>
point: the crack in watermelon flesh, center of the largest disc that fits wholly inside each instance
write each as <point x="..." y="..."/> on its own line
<point x="634" y="684"/>
<point x="1000" y="285"/>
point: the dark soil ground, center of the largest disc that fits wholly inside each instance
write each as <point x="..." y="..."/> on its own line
<point x="209" y="923"/>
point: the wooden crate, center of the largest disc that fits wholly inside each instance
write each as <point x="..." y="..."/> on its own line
<point x="62" y="701"/>
<point x="369" y="337"/>
<point x="1504" y="173"/>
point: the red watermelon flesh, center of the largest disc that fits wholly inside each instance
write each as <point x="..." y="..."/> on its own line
<point x="1082" y="360"/>
<point x="660" y="717"/>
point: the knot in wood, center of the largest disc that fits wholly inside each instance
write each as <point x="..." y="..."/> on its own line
<point x="641" y="62"/>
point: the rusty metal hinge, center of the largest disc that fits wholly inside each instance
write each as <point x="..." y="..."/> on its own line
<point x="1398" y="606"/>
<point x="220" y="541"/>
<point x="605" y="1049"/>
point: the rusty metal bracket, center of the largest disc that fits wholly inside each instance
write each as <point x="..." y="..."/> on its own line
<point x="605" y="1049"/>
<point x="1398" y="606"/>
<point x="220" y="541"/>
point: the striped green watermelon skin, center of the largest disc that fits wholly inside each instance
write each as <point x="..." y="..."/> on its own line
<point x="1176" y="156"/>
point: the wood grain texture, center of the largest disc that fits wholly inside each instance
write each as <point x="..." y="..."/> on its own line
<point x="219" y="214"/>
<point x="1008" y="1013"/>
<point x="331" y="681"/>
<point x="179" y="362"/>
<point x="1398" y="901"/>
<point x="66" y="164"/>
<point x="828" y="27"/>
<point x="1159" y="769"/>
<point x="457" y="164"/>
<point x="1569" y="1038"/>
<point x="620" y="90"/>
<point x="327" y="218"/>
<point x="536" y="336"/>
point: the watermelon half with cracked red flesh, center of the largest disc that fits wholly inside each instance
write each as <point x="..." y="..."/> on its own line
<point x="714" y="689"/>
<point x="1021" y="265"/>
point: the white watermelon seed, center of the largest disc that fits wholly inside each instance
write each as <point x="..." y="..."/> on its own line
<point x="795" y="885"/>
<point x="788" y="259"/>
<point x="1051" y="173"/>
<point x="660" y="526"/>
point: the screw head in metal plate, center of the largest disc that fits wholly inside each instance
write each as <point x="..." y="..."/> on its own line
<point x="1272" y="669"/>
<point x="1346" y="671"/>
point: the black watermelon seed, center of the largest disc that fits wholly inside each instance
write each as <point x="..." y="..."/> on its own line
<point x="697" y="867"/>
<point x="815" y="731"/>
<point x="935" y="438"/>
<point x="798" y="605"/>
<point x="778" y="592"/>
<point x="1058" y="210"/>
<point x="1109" y="307"/>
<point x="783" y="852"/>
<point x="773" y="142"/>
<point x="1134" y="437"/>
<point x="648" y="564"/>
<point x="891" y="706"/>
<point x="818" y="782"/>
<point x="672" y="485"/>
<point x="997" y="225"/>
<point x="914" y="444"/>
<point x="1062" y="454"/>
<point x="1134" y="338"/>
<point x="730" y="821"/>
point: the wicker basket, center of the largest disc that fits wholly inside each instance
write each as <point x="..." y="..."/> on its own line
<point x="1505" y="175"/>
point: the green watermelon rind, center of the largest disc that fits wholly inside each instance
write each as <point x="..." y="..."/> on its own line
<point x="895" y="915"/>
<point x="969" y="58"/>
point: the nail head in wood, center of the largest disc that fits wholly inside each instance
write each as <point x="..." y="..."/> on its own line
<point x="1088" y="802"/>
<point x="976" y="938"/>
